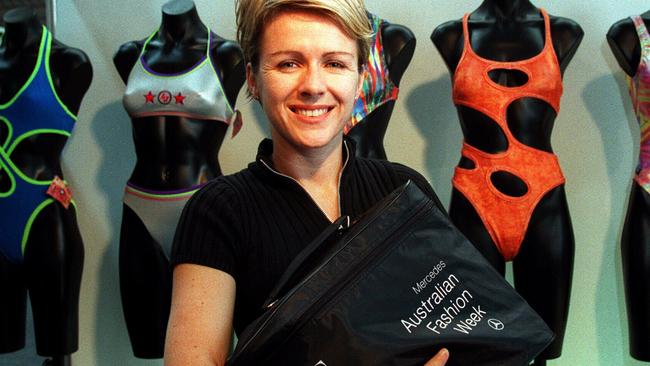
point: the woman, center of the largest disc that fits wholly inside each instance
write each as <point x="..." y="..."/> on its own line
<point x="239" y="232"/>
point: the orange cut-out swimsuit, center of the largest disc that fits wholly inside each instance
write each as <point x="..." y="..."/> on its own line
<point x="506" y="217"/>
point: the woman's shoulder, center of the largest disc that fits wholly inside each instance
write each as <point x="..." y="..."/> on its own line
<point x="224" y="191"/>
<point x="384" y="169"/>
<point x="398" y="174"/>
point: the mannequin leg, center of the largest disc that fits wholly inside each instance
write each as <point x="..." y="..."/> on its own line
<point x="53" y="265"/>
<point x="543" y="268"/>
<point x="12" y="306"/>
<point x="635" y="253"/>
<point x="145" y="283"/>
<point x="467" y="220"/>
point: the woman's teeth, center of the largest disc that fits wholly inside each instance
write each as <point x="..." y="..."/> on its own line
<point x="311" y="112"/>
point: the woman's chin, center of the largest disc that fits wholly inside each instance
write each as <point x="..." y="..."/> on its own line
<point x="317" y="139"/>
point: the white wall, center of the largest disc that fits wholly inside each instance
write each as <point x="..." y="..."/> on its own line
<point x="596" y="139"/>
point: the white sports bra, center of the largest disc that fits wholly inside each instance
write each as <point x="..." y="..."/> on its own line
<point x="194" y="93"/>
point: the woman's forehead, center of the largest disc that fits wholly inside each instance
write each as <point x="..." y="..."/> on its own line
<point x="300" y="30"/>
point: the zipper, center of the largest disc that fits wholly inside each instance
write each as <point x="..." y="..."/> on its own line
<point x="324" y="302"/>
<point x="338" y="190"/>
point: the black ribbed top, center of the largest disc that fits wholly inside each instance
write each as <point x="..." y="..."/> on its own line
<point x="252" y="224"/>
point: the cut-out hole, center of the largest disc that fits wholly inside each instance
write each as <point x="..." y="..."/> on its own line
<point x="4" y="132"/>
<point x="466" y="163"/>
<point x="481" y="131"/>
<point x="508" y="184"/>
<point x="530" y="120"/>
<point x="508" y="77"/>
<point x="5" y="181"/>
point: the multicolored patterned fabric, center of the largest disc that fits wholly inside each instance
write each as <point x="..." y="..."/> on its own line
<point x="377" y="86"/>
<point x="639" y="86"/>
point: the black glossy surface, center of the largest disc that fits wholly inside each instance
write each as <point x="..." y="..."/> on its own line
<point x="54" y="252"/>
<point x="172" y="153"/>
<point x="624" y="42"/>
<point x="512" y="30"/>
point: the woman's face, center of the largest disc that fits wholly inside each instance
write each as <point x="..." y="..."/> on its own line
<point x="307" y="79"/>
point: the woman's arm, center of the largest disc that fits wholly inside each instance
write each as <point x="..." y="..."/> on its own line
<point x="200" y="323"/>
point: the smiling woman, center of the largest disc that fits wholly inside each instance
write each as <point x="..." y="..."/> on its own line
<point x="240" y="232"/>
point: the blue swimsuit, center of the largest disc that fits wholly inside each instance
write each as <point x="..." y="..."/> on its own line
<point x="35" y="109"/>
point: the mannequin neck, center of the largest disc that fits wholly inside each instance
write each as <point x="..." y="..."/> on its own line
<point x="646" y="15"/>
<point x="505" y="9"/>
<point x="22" y="30"/>
<point x="181" y="22"/>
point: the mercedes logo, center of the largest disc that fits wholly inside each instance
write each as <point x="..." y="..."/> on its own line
<point x="495" y="324"/>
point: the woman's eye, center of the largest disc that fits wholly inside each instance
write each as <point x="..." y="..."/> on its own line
<point x="288" y="64"/>
<point x="336" y="64"/>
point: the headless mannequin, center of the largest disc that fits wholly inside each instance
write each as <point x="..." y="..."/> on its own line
<point x="635" y="241"/>
<point x="172" y="153"/>
<point x="399" y="46"/>
<point x="511" y="30"/>
<point x="53" y="257"/>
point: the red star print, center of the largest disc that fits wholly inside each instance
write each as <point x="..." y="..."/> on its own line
<point x="149" y="97"/>
<point x="179" y="98"/>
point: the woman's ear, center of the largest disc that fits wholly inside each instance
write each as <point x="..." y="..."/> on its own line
<point x="251" y="83"/>
<point x="362" y="77"/>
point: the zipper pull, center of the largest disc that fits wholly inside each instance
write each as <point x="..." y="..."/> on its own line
<point x="344" y="223"/>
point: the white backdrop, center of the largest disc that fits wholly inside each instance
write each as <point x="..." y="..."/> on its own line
<point x="596" y="139"/>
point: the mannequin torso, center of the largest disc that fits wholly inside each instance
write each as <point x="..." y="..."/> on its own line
<point x="624" y="41"/>
<point x="504" y="34"/>
<point x="178" y="152"/>
<point x="175" y="152"/>
<point x="35" y="68"/>
<point x="399" y="46"/>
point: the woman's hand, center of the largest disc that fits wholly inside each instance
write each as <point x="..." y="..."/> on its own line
<point x="439" y="359"/>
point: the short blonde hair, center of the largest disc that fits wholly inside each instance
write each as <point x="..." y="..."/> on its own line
<point x="350" y="15"/>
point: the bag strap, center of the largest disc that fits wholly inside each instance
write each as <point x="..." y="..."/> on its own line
<point x="291" y="275"/>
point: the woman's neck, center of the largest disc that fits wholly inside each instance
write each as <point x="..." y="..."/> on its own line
<point x="181" y="22"/>
<point x="22" y="30"/>
<point x="309" y="166"/>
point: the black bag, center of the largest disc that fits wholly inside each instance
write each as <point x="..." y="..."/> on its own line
<point x="393" y="289"/>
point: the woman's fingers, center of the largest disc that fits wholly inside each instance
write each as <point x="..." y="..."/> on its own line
<point x="439" y="359"/>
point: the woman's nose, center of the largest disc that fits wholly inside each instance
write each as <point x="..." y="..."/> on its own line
<point x="313" y="82"/>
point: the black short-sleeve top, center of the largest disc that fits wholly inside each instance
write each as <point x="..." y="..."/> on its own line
<point x="252" y="224"/>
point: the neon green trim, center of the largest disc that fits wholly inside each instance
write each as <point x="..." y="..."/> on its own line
<point x="11" y="178"/>
<point x="32" y="217"/>
<point x="207" y="58"/>
<point x="35" y="132"/>
<point x="137" y="192"/>
<point x="33" y="75"/>
<point x="207" y="49"/>
<point x="214" y="71"/>
<point x="11" y="131"/>
<point x="14" y="168"/>
<point x="144" y="46"/>
<point x="49" y="77"/>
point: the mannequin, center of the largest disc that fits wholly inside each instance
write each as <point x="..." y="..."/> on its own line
<point x="505" y="31"/>
<point x="51" y="262"/>
<point x="625" y="44"/>
<point x="175" y="152"/>
<point x="399" y="45"/>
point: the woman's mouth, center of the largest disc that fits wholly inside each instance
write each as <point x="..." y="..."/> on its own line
<point x="311" y="112"/>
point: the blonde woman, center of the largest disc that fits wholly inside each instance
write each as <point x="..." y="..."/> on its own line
<point x="239" y="233"/>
